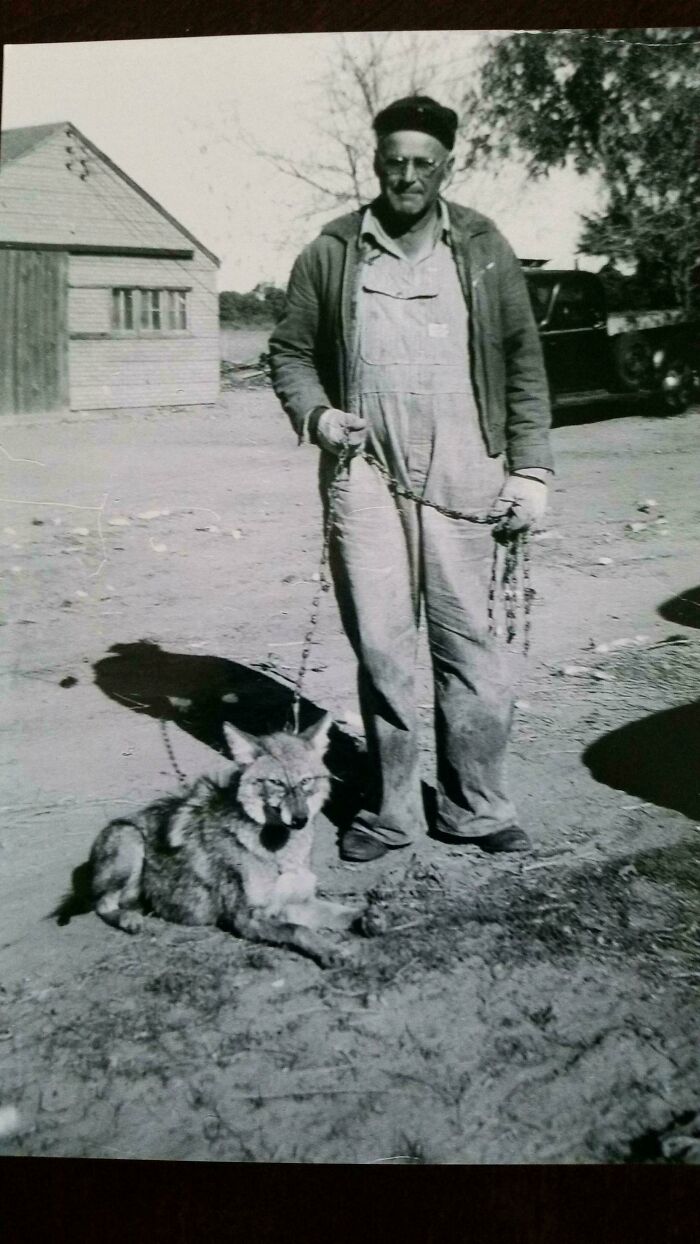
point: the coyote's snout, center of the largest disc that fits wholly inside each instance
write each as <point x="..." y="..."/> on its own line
<point x="233" y="851"/>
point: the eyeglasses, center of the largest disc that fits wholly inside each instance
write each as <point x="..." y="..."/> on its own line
<point x="397" y="166"/>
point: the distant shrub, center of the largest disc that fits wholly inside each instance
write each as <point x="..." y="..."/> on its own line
<point x="261" y="308"/>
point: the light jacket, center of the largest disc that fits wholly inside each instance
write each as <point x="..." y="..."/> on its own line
<point x="311" y="348"/>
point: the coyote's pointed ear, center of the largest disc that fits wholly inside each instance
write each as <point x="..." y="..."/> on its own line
<point x="243" y="747"/>
<point x="317" y="734"/>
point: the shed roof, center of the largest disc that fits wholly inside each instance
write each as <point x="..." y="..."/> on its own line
<point x="18" y="142"/>
<point x="15" y="143"/>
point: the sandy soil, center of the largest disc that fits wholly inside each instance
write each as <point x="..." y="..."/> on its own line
<point x="542" y="1009"/>
<point x="242" y="345"/>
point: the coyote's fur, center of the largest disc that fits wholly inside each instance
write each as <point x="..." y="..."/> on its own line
<point x="233" y="851"/>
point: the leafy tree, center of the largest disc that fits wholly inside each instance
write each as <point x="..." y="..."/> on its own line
<point x="263" y="306"/>
<point x="623" y="103"/>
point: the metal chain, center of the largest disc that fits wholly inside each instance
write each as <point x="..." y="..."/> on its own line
<point x="528" y="590"/>
<point x="399" y="490"/>
<point x="515" y="556"/>
<point x="171" y="755"/>
<point x="323" y="586"/>
<point x="513" y="551"/>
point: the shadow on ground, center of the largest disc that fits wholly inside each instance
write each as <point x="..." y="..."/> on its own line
<point x="655" y="759"/>
<point x="199" y="694"/>
<point x="600" y="412"/>
<point x="683" y="609"/>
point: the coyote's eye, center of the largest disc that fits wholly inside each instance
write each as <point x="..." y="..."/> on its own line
<point x="274" y="784"/>
<point x="307" y="783"/>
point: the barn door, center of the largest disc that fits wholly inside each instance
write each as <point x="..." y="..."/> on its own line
<point x="33" y="331"/>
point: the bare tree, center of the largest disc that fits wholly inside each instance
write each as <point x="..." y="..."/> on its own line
<point x="365" y="73"/>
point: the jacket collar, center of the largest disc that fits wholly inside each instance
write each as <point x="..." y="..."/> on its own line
<point x="371" y="229"/>
<point x="464" y="221"/>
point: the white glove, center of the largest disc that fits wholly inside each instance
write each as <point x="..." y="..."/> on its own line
<point x="520" y="505"/>
<point x="338" y="430"/>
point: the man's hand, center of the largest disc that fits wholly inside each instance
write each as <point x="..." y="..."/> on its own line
<point x="338" y="431"/>
<point x="520" y="505"/>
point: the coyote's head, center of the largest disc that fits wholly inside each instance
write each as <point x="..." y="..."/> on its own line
<point x="283" y="780"/>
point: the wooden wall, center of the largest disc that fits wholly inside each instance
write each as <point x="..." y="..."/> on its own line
<point x="33" y="331"/>
<point x="112" y="371"/>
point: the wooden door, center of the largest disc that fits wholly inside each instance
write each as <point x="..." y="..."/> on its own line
<point x="33" y="331"/>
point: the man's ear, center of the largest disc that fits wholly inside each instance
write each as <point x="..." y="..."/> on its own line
<point x="243" y="747"/>
<point x="448" y="171"/>
<point x="377" y="162"/>
<point x="317" y="734"/>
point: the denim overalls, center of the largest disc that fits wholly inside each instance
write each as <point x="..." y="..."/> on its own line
<point x="411" y="382"/>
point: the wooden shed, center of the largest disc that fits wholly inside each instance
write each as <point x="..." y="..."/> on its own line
<point x="105" y="299"/>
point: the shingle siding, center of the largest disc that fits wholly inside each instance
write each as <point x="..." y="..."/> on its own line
<point x="42" y="201"/>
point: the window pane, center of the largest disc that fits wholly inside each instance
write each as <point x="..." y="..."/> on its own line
<point x="182" y="308"/>
<point x="540" y="293"/>
<point x="145" y="309"/>
<point x="572" y="308"/>
<point x="116" y="308"/>
<point x="128" y="309"/>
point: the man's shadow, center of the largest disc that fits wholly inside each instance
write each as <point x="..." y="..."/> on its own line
<point x="683" y="609"/>
<point x="198" y="694"/>
<point x="657" y="758"/>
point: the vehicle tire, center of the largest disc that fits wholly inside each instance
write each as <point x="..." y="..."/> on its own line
<point x="677" y="388"/>
<point x="633" y="362"/>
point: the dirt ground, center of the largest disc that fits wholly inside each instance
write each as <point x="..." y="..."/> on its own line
<point x="538" y="1009"/>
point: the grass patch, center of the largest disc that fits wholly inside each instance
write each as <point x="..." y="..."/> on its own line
<point x="676" y="866"/>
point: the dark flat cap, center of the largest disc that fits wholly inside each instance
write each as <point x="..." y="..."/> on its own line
<point x="418" y="112"/>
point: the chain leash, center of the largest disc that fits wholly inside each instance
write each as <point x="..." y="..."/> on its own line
<point x="510" y="561"/>
<point x="323" y="587"/>
<point x="171" y="755"/>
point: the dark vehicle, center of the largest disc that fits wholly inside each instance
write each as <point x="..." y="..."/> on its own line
<point x="591" y="355"/>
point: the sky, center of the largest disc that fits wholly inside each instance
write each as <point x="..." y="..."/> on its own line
<point x="187" y="119"/>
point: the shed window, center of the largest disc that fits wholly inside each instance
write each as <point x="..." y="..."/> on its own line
<point x="146" y="311"/>
<point x="177" y="309"/>
<point x="150" y="310"/>
<point x="123" y="309"/>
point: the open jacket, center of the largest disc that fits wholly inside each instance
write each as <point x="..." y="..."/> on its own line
<point x="311" y="347"/>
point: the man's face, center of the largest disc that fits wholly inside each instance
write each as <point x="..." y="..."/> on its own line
<point x="408" y="190"/>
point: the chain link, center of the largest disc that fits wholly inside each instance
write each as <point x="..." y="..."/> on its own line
<point x="511" y="553"/>
<point x="323" y="587"/>
<point x="171" y="755"/>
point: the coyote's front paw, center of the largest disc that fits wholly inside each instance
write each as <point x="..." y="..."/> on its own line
<point x="131" y="921"/>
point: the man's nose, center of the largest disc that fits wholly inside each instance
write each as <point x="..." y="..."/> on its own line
<point x="409" y="172"/>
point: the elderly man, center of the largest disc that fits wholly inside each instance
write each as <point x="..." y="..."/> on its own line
<point x="408" y="345"/>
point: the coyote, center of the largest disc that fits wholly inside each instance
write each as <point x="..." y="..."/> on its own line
<point x="233" y="851"/>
